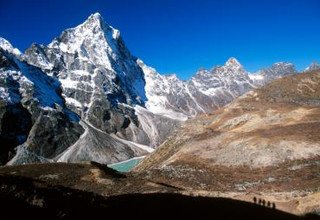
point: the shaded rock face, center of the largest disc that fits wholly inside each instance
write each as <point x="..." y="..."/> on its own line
<point x="15" y="126"/>
<point x="54" y="129"/>
<point x="33" y="114"/>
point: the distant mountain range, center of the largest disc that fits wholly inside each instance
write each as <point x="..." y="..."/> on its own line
<point x="85" y="97"/>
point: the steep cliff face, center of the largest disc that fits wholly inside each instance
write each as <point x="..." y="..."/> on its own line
<point x="97" y="74"/>
<point x="34" y="117"/>
<point x="86" y="77"/>
<point x="100" y="79"/>
<point x="37" y="124"/>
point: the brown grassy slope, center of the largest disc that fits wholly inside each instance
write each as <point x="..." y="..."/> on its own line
<point x="286" y="110"/>
<point x="266" y="142"/>
<point x="91" y="177"/>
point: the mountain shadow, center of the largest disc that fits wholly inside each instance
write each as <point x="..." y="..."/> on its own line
<point x="22" y="194"/>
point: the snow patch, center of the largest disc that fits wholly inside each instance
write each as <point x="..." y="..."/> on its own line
<point x="141" y="146"/>
<point x="73" y="102"/>
<point x="68" y="83"/>
<point x="125" y="161"/>
<point x="256" y="77"/>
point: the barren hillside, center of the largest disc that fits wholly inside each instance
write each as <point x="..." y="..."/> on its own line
<point x="265" y="142"/>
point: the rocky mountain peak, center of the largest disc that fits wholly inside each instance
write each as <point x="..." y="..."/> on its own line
<point x="93" y="40"/>
<point x="6" y="45"/>
<point x="283" y="64"/>
<point x="95" y="22"/>
<point x="313" y="66"/>
<point x="282" y="68"/>
<point x="233" y="62"/>
<point x="201" y="71"/>
<point x="95" y="17"/>
<point x="232" y="68"/>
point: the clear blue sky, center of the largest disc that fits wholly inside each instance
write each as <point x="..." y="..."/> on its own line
<point x="181" y="36"/>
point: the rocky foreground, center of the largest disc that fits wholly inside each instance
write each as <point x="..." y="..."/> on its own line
<point x="91" y="190"/>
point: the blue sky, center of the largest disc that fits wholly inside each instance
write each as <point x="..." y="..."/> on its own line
<point x="181" y="36"/>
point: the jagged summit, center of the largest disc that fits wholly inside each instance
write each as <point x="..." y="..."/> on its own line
<point x="95" y="15"/>
<point x="233" y="62"/>
<point x="97" y="21"/>
<point x="6" y="45"/>
<point x="93" y="34"/>
<point x="282" y="64"/>
<point x="232" y="67"/>
<point x="279" y="69"/>
<point x="313" y="66"/>
<point x="92" y="55"/>
<point x="94" y="19"/>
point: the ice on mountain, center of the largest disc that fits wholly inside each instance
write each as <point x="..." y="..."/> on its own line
<point x="6" y="45"/>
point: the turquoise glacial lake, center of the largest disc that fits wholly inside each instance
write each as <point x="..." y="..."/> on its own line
<point x="127" y="165"/>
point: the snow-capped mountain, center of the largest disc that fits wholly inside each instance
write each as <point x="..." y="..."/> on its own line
<point x="313" y="66"/>
<point x="91" y="59"/>
<point x="6" y="46"/>
<point x="207" y="90"/>
<point x="100" y="79"/>
<point x="85" y="97"/>
<point x="38" y="126"/>
<point x="277" y="70"/>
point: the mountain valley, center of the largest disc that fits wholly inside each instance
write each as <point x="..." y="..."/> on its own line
<point x="226" y="139"/>
<point x="88" y="76"/>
